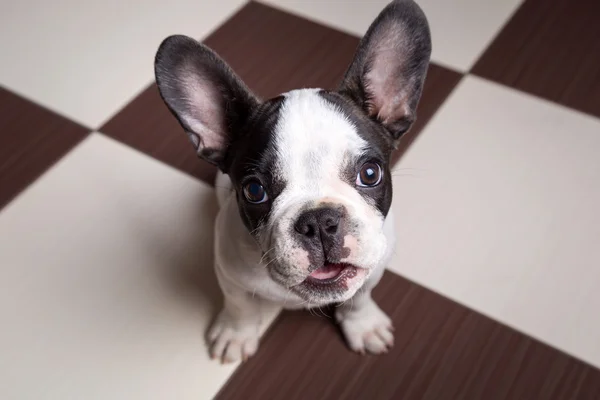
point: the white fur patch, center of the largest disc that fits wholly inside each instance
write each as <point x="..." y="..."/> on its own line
<point x="315" y="141"/>
<point x="313" y="138"/>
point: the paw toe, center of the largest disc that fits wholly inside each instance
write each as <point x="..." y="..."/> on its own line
<point x="385" y="333"/>
<point x="249" y="348"/>
<point x="218" y="347"/>
<point x="376" y="343"/>
<point x="232" y="353"/>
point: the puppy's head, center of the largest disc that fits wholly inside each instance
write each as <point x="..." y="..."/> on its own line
<point x="310" y="167"/>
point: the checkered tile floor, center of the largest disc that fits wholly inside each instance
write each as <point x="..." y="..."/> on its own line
<point x="106" y="215"/>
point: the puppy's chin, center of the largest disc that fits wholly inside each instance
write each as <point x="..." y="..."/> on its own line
<point x="332" y="283"/>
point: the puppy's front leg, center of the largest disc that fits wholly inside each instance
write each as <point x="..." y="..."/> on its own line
<point x="366" y="327"/>
<point x="234" y="335"/>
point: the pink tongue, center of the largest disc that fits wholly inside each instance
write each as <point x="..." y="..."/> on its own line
<point x="327" y="271"/>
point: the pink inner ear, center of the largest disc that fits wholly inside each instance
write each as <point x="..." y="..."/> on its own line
<point x="384" y="81"/>
<point x="205" y="104"/>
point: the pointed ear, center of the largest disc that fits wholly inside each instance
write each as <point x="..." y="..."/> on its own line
<point x="387" y="74"/>
<point x="205" y="95"/>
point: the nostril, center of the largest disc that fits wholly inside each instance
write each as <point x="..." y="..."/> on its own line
<point x="306" y="229"/>
<point x="331" y="229"/>
<point x="310" y="231"/>
<point x="330" y="224"/>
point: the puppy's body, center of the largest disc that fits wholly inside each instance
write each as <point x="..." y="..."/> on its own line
<point x="305" y="188"/>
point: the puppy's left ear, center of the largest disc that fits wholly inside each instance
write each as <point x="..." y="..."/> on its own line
<point x="387" y="74"/>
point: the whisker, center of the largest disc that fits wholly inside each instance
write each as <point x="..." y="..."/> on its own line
<point x="270" y="262"/>
<point x="320" y="312"/>
<point x="323" y="312"/>
<point x="313" y="312"/>
<point x="302" y="302"/>
<point x="265" y="254"/>
<point x="276" y="259"/>
<point x="253" y="231"/>
<point x="342" y="303"/>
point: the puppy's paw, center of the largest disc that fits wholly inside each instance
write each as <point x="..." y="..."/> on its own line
<point x="231" y="340"/>
<point x="367" y="329"/>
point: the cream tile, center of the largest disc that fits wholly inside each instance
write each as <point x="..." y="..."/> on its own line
<point x="461" y="29"/>
<point x="497" y="207"/>
<point x="107" y="283"/>
<point x="86" y="59"/>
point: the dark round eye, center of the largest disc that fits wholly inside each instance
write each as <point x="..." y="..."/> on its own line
<point x="255" y="192"/>
<point x="369" y="175"/>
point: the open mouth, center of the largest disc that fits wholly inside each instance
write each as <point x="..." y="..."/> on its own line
<point x="331" y="273"/>
<point x="331" y="283"/>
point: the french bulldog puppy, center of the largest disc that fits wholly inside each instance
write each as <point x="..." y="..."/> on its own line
<point x="304" y="187"/>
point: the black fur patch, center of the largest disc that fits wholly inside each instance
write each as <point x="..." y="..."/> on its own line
<point x="252" y="156"/>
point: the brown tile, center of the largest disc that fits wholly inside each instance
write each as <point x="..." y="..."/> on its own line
<point x="550" y="49"/>
<point x="273" y="52"/>
<point x="443" y="351"/>
<point x="31" y="140"/>
<point x="439" y="84"/>
<point x="147" y="125"/>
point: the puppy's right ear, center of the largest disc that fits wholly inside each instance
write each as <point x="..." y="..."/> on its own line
<point x="205" y="95"/>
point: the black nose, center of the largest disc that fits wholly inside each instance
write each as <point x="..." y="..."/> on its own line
<point x="319" y="230"/>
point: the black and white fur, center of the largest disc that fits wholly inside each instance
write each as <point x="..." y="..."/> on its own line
<point x="306" y="148"/>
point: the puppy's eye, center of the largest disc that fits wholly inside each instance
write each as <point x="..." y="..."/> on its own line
<point x="369" y="175"/>
<point x="255" y="192"/>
